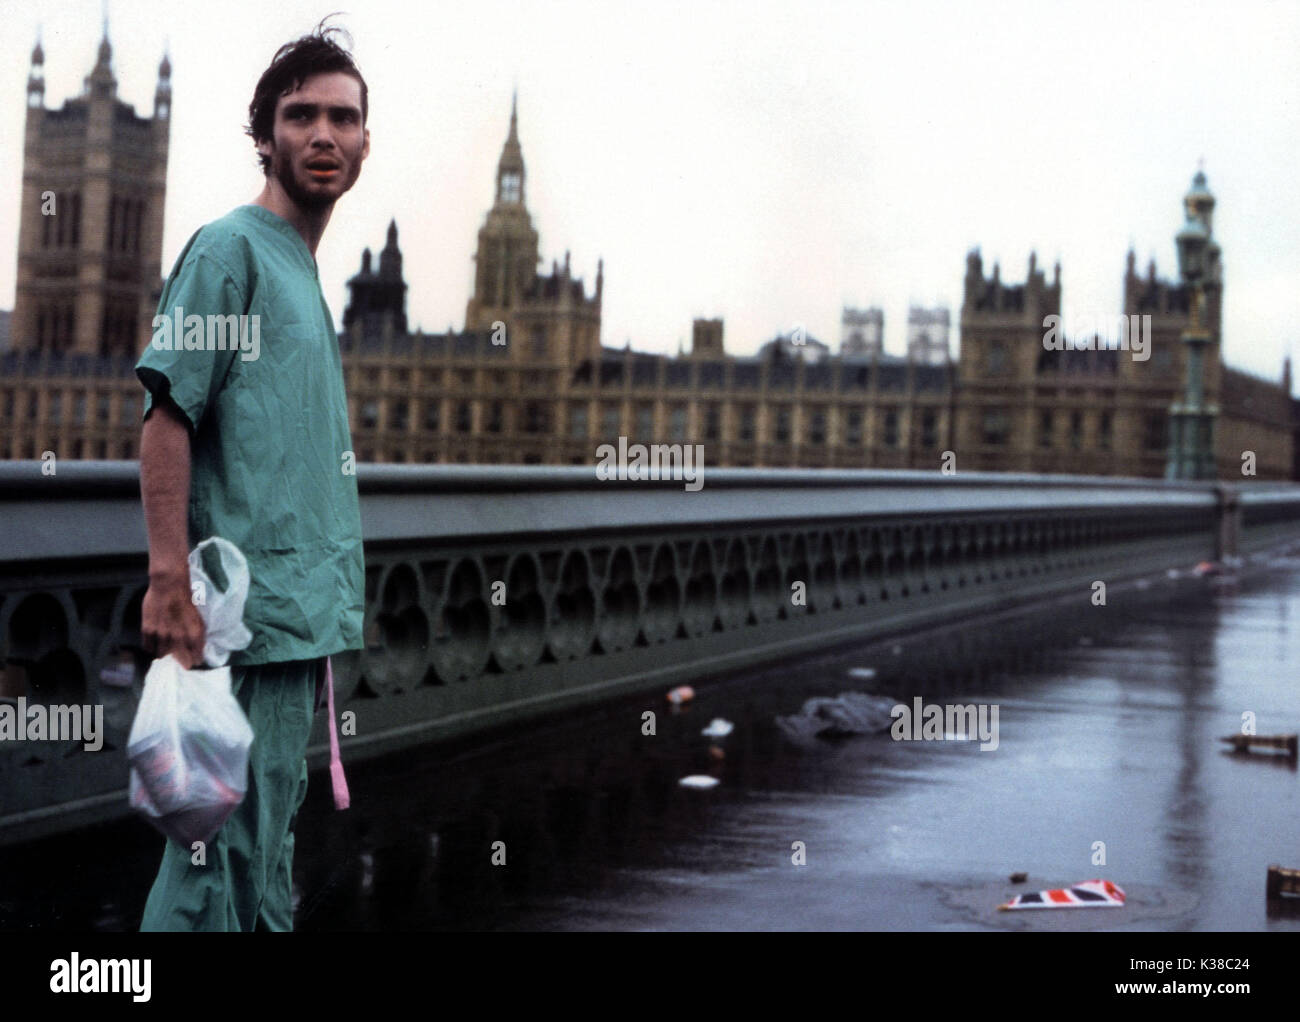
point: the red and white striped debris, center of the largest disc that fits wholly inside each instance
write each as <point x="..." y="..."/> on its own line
<point x="1089" y="894"/>
<point x="681" y="694"/>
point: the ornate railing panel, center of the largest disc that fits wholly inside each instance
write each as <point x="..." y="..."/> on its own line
<point x="493" y="594"/>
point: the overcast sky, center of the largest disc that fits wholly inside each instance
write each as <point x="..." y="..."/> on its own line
<point x="763" y="162"/>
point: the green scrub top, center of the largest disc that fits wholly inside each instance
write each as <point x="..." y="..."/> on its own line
<point x="273" y="469"/>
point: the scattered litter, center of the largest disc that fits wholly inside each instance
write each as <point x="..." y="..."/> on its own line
<point x="718" y="728"/>
<point x="1089" y="894"/>
<point x="119" y="675"/>
<point x="681" y="694"/>
<point x="1207" y="568"/>
<point x="849" y="713"/>
<point x="716" y="752"/>
<point x="1019" y="878"/>
<point x="865" y="673"/>
<point x="698" y="781"/>
<point x="1285" y="744"/>
<point x="1282" y="881"/>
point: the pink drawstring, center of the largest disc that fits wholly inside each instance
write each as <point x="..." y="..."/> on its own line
<point x="340" y="783"/>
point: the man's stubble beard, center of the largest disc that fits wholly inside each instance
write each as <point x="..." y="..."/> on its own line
<point x="282" y="168"/>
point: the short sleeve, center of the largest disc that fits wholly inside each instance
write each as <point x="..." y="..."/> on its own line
<point x="195" y="337"/>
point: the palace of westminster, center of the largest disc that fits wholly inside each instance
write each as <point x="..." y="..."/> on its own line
<point x="529" y="381"/>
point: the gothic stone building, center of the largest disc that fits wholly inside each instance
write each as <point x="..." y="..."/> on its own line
<point x="528" y="380"/>
<point x="89" y="255"/>
<point x="1094" y="408"/>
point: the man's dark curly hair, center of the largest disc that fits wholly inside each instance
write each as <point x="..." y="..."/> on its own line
<point x="292" y="64"/>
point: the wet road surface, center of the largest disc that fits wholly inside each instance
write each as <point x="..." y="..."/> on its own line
<point x="1108" y="720"/>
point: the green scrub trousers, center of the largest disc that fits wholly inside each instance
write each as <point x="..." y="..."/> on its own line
<point x="247" y="880"/>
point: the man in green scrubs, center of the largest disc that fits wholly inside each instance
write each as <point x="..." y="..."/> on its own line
<point x="246" y="437"/>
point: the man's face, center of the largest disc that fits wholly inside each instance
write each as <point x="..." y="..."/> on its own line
<point x="319" y="140"/>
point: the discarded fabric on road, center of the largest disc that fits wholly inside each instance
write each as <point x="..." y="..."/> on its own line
<point x="849" y="713"/>
<point x="1089" y="894"/>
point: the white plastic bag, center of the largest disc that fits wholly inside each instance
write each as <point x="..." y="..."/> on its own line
<point x="222" y="612"/>
<point x="188" y="750"/>
<point x="189" y="742"/>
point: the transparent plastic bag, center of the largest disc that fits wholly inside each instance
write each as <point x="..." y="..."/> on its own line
<point x="222" y="612"/>
<point x="188" y="751"/>
<point x="189" y="742"/>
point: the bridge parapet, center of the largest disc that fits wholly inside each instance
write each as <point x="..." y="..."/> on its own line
<point x="494" y="594"/>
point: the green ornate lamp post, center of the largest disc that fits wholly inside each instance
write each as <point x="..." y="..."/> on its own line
<point x="1191" y="420"/>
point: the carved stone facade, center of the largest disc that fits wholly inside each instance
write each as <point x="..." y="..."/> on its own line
<point x="91" y="218"/>
<point x="528" y="382"/>
<point x="1101" y="405"/>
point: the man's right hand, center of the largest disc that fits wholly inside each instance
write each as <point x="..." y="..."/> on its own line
<point x="169" y="621"/>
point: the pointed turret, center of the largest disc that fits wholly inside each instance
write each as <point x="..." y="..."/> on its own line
<point x="36" y="78"/>
<point x="1199" y="201"/>
<point x="162" y="95"/>
<point x="390" y="259"/>
<point x="377" y="300"/>
<point x="100" y="83"/>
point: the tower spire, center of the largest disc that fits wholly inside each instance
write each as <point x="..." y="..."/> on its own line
<point x="510" y="168"/>
<point x="105" y="47"/>
<point x="100" y="83"/>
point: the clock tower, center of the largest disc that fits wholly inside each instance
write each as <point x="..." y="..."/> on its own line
<point x="506" y="261"/>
